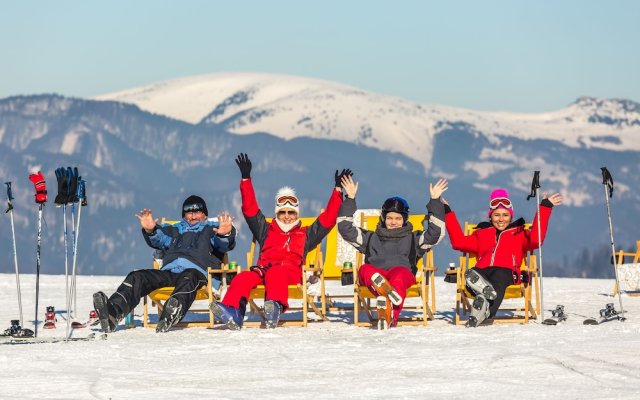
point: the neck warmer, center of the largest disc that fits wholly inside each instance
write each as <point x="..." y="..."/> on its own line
<point x="390" y="234"/>
<point x="287" y="227"/>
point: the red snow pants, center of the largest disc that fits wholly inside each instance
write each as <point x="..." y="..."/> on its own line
<point x="276" y="282"/>
<point x="401" y="278"/>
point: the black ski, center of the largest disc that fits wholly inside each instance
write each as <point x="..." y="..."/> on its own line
<point x="607" y="314"/>
<point x="33" y="340"/>
<point x="557" y="316"/>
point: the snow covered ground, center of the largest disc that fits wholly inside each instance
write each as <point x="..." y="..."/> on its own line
<point x="331" y="359"/>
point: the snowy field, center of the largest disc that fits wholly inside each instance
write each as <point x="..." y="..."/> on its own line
<point x="330" y="359"/>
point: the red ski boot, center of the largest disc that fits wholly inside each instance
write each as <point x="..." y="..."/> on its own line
<point x="50" y="318"/>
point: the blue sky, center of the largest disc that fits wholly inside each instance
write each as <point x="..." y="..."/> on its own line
<point x="493" y="55"/>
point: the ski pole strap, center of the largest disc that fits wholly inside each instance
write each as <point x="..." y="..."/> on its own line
<point x="535" y="185"/>
<point x="80" y="191"/>
<point x="607" y="180"/>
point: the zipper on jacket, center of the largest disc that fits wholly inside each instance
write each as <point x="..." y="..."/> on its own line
<point x="493" y="254"/>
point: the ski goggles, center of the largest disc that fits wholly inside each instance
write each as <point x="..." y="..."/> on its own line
<point x="500" y="202"/>
<point x="193" y="208"/>
<point x="284" y="200"/>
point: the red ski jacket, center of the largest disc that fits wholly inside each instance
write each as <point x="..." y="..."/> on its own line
<point x="504" y="249"/>
<point x="286" y="248"/>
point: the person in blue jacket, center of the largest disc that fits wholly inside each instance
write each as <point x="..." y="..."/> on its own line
<point x="189" y="247"/>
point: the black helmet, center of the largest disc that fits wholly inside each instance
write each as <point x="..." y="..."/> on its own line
<point x="395" y="204"/>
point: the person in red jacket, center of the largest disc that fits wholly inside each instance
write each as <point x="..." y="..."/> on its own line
<point x="500" y="245"/>
<point x="284" y="244"/>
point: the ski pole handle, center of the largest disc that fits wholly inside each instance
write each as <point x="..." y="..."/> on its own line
<point x="607" y="180"/>
<point x="80" y="191"/>
<point x="9" y="192"/>
<point x="535" y="185"/>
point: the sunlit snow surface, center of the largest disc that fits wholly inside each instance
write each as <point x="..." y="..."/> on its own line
<point x="331" y="359"/>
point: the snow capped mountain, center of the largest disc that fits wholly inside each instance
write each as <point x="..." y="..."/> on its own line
<point x="289" y="107"/>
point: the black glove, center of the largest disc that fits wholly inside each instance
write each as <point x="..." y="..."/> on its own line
<point x="72" y="184"/>
<point x="260" y="270"/>
<point x="338" y="177"/>
<point x="245" y="165"/>
<point x="61" y="197"/>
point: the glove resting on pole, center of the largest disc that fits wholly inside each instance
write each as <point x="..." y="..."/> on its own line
<point x="41" y="187"/>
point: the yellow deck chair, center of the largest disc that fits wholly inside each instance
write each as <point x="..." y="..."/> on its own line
<point x="424" y="289"/>
<point x="312" y="266"/>
<point x="208" y="293"/>
<point x="332" y="271"/>
<point x="621" y="255"/>
<point x="520" y="314"/>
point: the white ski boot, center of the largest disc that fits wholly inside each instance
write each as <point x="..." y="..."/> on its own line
<point x="479" y="311"/>
<point x="479" y="285"/>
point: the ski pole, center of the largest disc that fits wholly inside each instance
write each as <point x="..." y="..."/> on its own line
<point x="76" y="236"/>
<point x="41" y="197"/>
<point x="15" y="251"/>
<point x="66" y="269"/>
<point x="535" y="185"/>
<point x="607" y="181"/>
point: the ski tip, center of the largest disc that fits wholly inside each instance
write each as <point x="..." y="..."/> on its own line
<point x="590" y="322"/>
<point x="549" y="322"/>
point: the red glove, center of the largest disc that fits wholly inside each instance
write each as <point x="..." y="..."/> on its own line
<point x="41" y="187"/>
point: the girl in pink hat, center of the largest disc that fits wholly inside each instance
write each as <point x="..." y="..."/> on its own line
<point x="500" y="244"/>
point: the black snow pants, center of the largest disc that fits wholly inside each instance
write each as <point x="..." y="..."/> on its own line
<point x="500" y="279"/>
<point x="142" y="282"/>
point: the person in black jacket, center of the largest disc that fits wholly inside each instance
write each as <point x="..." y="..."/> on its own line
<point x="391" y="251"/>
<point x="189" y="247"/>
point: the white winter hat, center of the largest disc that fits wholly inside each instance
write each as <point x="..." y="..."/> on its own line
<point x="286" y="199"/>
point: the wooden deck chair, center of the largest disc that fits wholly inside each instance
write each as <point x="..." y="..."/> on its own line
<point x="522" y="291"/>
<point x="628" y="273"/>
<point x="423" y="290"/>
<point x="208" y="293"/>
<point x="312" y="266"/>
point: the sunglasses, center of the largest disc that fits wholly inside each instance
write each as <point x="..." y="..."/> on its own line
<point x="500" y="201"/>
<point x="287" y="212"/>
<point x="281" y="201"/>
<point x="193" y="207"/>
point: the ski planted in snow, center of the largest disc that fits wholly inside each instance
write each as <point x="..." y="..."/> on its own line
<point x="607" y="314"/>
<point x="33" y="340"/>
<point x="558" y="315"/>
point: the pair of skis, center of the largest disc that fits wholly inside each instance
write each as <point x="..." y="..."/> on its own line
<point x="34" y="340"/>
<point x="607" y="314"/>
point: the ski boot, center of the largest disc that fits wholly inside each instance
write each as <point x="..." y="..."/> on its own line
<point x="171" y="314"/>
<point x="16" y="331"/>
<point x="107" y="314"/>
<point x="272" y="312"/>
<point x="50" y="318"/>
<point x="383" y="306"/>
<point x="384" y="288"/>
<point x="479" y="311"/>
<point x="479" y="285"/>
<point x="231" y="317"/>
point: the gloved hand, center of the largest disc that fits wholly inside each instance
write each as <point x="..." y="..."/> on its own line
<point x="260" y="270"/>
<point x="41" y="187"/>
<point x="72" y="176"/>
<point x="338" y="176"/>
<point x="245" y="165"/>
<point x="61" y="197"/>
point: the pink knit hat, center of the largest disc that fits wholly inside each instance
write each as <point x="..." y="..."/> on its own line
<point x="500" y="199"/>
